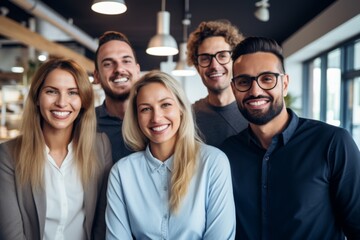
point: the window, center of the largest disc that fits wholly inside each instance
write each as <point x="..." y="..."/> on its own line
<point x="357" y="55"/>
<point x="333" y="87"/>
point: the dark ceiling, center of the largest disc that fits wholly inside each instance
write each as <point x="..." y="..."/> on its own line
<point x="139" y="21"/>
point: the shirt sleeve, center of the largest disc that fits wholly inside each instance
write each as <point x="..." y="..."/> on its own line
<point x="345" y="182"/>
<point x="117" y="221"/>
<point x="11" y="223"/>
<point x="220" y="215"/>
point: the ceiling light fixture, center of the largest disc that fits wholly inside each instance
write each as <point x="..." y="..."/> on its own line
<point x="109" y="7"/>
<point x="262" y="11"/>
<point x="182" y="68"/>
<point x="19" y="66"/>
<point x="162" y="44"/>
<point x="43" y="56"/>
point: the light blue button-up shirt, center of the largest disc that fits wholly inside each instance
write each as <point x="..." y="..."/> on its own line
<point x="138" y="199"/>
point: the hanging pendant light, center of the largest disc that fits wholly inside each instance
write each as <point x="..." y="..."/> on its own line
<point x="162" y="44"/>
<point x="262" y="11"/>
<point x="182" y="69"/>
<point x="109" y="7"/>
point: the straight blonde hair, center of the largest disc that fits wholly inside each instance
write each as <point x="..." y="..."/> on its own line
<point x="187" y="144"/>
<point x="30" y="153"/>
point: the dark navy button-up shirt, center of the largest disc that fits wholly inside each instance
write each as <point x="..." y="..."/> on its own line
<point x="112" y="127"/>
<point x="306" y="185"/>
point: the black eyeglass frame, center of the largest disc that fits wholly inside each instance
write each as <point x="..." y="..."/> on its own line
<point x="211" y="57"/>
<point x="252" y="78"/>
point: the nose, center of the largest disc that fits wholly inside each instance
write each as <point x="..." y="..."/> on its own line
<point x="156" y="116"/>
<point x="255" y="89"/>
<point x="214" y="62"/>
<point x="119" y="68"/>
<point x="61" y="100"/>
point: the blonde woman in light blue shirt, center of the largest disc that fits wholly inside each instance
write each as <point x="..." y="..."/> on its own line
<point x="174" y="186"/>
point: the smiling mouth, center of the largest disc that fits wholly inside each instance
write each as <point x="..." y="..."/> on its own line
<point x="121" y="80"/>
<point x="215" y="75"/>
<point x="160" y="128"/>
<point x="60" y="114"/>
<point x="257" y="103"/>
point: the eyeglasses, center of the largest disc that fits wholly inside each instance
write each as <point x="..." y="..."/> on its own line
<point x="205" y="59"/>
<point x="265" y="80"/>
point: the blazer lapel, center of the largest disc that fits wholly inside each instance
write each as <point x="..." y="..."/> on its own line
<point x="90" y="197"/>
<point x="40" y="204"/>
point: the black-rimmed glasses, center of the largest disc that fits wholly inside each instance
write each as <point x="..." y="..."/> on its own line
<point x="205" y="59"/>
<point x="265" y="80"/>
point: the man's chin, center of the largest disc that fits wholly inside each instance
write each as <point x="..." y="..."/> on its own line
<point x="117" y="96"/>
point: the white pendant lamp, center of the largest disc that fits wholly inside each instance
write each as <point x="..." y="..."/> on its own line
<point x="109" y="7"/>
<point x="262" y="11"/>
<point x="162" y="44"/>
<point x="182" y="69"/>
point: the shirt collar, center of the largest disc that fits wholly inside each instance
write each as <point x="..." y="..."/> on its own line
<point x="290" y="129"/>
<point x="285" y="135"/>
<point x="102" y="110"/>
<point x="155" y="163"/>
<point x="69" y="148"/>
<point x="68" y="159"/>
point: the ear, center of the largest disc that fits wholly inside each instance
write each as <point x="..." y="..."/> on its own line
<point x="197" y="67"/>
<point x="233" y="87"/>
<point x="138" y="70"/>
<point x="96" y="77"/>
<point x="138" y="67"/>
<point x="286" y="80"/>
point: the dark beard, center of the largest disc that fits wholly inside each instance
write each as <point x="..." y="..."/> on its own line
<point x="119" y="97"/>
<point x="257" y="117"/>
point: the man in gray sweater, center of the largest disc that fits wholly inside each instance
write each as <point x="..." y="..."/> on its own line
<point x="209" y="50"/>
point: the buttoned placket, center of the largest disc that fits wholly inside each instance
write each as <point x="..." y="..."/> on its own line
<point x="64" y="205"/>
<point x="265" y="188"/>
<point x="164" y="176"/>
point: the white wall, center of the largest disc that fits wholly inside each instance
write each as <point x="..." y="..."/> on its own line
<point x="192" y="86"/>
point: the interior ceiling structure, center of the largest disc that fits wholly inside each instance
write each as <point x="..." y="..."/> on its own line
<point x="139" y="21"/>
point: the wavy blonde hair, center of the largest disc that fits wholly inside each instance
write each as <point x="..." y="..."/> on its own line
<point x="29" y="153"/>
<point x="187" y="143"/>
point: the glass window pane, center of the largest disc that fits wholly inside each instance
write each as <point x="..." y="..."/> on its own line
<point x="315" y="95"/>
<point x="333" y="85"/>
<point x="355" y="103"/>
<point x="357" y="55"/>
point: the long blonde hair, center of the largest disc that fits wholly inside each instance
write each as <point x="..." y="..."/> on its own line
<point x="187" y="144"/>
<point x="30" y="145"/>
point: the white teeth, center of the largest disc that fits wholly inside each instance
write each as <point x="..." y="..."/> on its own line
<point x="160" y="128"/>
<point x="123" y="79"/>
<point x="258" y="103"/>
<point x="216" y="75"/>
<point x="61" y="114"/>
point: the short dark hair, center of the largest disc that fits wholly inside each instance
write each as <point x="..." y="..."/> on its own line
<point x="109" y="36"/>
<point x="258" y="44"/>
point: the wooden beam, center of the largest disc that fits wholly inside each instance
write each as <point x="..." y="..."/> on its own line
<point x="13" y="30"/>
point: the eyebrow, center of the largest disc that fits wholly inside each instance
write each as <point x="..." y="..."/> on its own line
<point x="72" y="88"/>
<point x="112" y="59"/>
<point x="161" y="100"/>
<point x="214" y="53"/>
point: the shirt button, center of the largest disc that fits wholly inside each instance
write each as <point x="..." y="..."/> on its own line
<point x="264" y="186"/>
<point x="266" y="158"/>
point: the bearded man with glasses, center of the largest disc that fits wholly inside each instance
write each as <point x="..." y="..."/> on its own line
<point x="293" y="178"/>
<point x="209" y="50"/>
